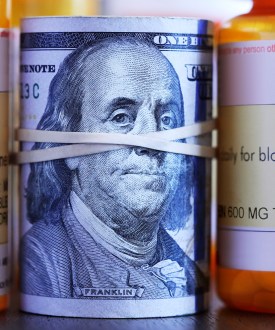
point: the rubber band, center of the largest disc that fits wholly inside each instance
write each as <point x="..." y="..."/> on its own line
<point x="86" y="143"/>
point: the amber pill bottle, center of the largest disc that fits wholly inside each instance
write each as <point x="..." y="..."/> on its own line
<point x="246" y="161"/>
<point x="23" y="8"/>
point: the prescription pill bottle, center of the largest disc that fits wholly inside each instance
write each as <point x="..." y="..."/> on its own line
<point x="4" y="111"/>
<point x="246" y="176"/>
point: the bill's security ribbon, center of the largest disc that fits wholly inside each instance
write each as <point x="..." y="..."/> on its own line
<point x="86" y="143"/>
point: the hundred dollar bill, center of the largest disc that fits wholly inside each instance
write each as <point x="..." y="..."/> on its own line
<point x="113" y="223"/>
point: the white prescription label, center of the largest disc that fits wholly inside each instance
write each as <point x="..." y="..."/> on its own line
<point x="4" y="269"/>
<point x="246" y="73"/>
<point x="246" y="175"/>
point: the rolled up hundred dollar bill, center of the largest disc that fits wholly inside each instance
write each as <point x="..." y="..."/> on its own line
<point x="116" y="122"/>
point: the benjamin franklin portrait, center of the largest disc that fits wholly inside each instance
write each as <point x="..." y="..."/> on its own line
<point x="101" y="220"/>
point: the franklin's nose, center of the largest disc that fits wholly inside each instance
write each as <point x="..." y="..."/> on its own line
<point x="146" y="122"/>
<point x="140" y="151"/>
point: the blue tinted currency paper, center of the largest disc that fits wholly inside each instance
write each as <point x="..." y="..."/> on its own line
<point x="121" y="233"/>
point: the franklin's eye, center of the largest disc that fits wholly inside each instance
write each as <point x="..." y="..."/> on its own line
<point x="121" y="118"/>
<point x="168" y="121"/>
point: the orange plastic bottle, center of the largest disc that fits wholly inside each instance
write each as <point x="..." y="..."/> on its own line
<point x="23" y="8"/>
<point x="4" y="109"/>
<point x="246" y="176"/>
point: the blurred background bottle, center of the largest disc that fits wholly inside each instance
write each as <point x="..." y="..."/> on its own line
<point x="4" y="14"/>
<point x="246" y="272"/>
<point x="23" y="8"/>
<point x="4" y="110"/>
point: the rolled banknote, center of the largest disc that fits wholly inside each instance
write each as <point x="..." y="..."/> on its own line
<point x="116" y="121"/>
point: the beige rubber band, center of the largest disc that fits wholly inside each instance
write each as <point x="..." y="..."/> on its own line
<point x="85" y="143"/>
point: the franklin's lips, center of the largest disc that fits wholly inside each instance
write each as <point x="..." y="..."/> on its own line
<point x="142" y="172"/>
<point x="154" y="181"/>
<point x="148" y="177"/>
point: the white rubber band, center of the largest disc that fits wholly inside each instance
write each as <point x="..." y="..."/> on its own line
<point x="85" y="143"/>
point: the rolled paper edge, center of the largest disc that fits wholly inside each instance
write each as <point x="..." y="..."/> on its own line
<point x="102" y="308"/>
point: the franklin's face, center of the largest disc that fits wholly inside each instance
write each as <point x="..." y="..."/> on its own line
<point x="130" y="91"/>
